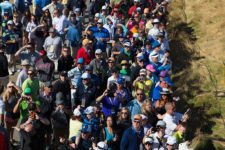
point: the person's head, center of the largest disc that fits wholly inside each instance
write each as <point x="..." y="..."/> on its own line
<point x="103" y="10"/>
<point x="76" y="114"/>
<point x="182" y="128"/>
<point x="89" y="69"/>
<point x="170" y="143"/>
<point x="25" y="64"/>
<point x="160" y="127"/>
<point x="111" y="62"/>
<point x="86" y="78"/>
<point x="146" y="11"/>
<point x="119" y="30"/>
<point x="6" y="15"/>
<point x="15" y="17"/>
<point x="109" y="121"/>
<point x="27" y="92"/>
<point x="121" y="38"/>
<point x="97" y="16"/>
<point x="148" y="45"/>
<point x="109" y="20"/>
<point x="33" y="18"/>
<point x="10" y="88"/>
<point x="127" y="46"/>
<point x="136" y="122"/>
<point x="86" y="132"/>
<point x="65" y="51"/>
<point x="170" y="108"/>
<point x="30" y="73"/>
<point x="140" y="59"/>
<point x="89" y="111"/>
<point x="86" y="43"/>
<point x="115" y="72"/>
<point x="98" y="54"/>
<point x="163" y="84"/>
<point x="63" y="75"/>
<point x="165" y="93"/>
<point x="146" y="107"/>
<point x="136" y="17"/>
<point x="77" y="11"/>
<point x="52" y="32"/>
<point x="155" y="57"/>
<point x="80" y="63"/>
<point x="156" y="46"/>
<point x="142" y="74"/>
<point x="124" y="114"/>
<point x="139" y="95"/>
<point x="56" y="13"/>
<point x="47" y="13"/>
<point x="150" y="69"/>
<point x="120" y="83"/>
<point x="10" y="25"/>
<point x="148" y="142"/>
<point x="136" y="2"/>
<point x="100" y="23"/>
<point x="156" y="23"/>
<point x="48" y="88"/>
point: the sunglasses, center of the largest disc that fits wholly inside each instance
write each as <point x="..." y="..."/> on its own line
<point x="124" y="113"/>
<point x="139" y="93"/>
<point x="136" y="121"/>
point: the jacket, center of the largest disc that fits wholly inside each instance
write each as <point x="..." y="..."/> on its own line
<point x="3" y="65"/>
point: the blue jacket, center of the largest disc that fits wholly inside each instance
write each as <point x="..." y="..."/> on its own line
<point x="131" y="139"/>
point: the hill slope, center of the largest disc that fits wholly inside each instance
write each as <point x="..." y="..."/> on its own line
<point x="197" y="36"/>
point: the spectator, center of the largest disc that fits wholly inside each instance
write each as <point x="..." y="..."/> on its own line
<point x="6" y="6"/>
<point x="10" y="97"/>
<point x="4" y="74"/>
<point x="134" y="106"/>
<point x="148" y="111"/>
<point x="65" y="61"/>
<point x="85" y="51"/>
<point x="148" y="142"/>
<point x="132" y="137"/>
<point x="75" y="124"/>
<point x="123" y="121"/>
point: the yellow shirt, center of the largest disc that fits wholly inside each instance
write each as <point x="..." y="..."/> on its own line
<point x="75" y="127"/>
<point x="145" y="86"/>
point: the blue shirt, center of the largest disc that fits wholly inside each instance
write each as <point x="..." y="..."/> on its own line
<point x="75" y="75"/>
<point x="131" y="139"/>
<point x="6" y="6"/>
<point x="104" y="33"/>
<point x="73" y="36"/>
<point x="8" y="36"/>
<point x="134" y="108"/>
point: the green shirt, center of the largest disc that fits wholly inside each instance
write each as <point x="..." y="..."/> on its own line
<point x="34" y="85"/>
<point x="24" y="108"/>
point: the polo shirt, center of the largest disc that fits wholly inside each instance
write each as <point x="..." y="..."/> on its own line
<point x="134" y="108"/>
<point x="142" y="85"/>
<point x="33" y="84"/>
<point x="156" y="93"/>
<point x="98" y="34"/>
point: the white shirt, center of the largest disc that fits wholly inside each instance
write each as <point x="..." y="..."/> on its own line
<point x="156" y="144"/>
<point x="153" y="32"/>
<point x="171" y="122"/>
<point x="57" y="23"/>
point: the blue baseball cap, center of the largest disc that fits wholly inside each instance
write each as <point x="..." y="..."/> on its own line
<point x="168" y="81"/>
<point x="80" y="60"/>
<point x="86" y="129"/>
<point x="120" y="81"/>
<point x="155" y="44"/>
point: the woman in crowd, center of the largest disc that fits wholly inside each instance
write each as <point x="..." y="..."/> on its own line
<point x="10" y="97"/>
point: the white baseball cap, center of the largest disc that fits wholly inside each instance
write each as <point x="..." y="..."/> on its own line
<point x="76" y="112"/>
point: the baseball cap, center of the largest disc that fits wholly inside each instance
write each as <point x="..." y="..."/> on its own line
<point x="77" y="10"/>
<point x="89" y="67"/>
<point x="126" y="44"/>
<point x="63" y="73"/>
<point x="102" y="146"/>
<point x="42" y="52"/>
<point x="10" y="22"/>
<point x="143" y="72"/>
<point x="124" y="62"/>
<point x="165" y="91"/>
<point x="76" y="112"/>
<point x="25" y="62"/>
<point x="168" y="81"/>
<point x="143" y="117"/>
<point x="27" y="90"/>
<point x="51" y="30"/>
<point x="171" y="140"/>
<point x="86" y="129"/>
<point x="155" y="44"/>
<point x="89" y="110"/>
<point x="120" y="81"/>
<point x="155" y="21"/>
<point x="86" y="41"/>
<point x="100" y="21"/>
<point x="97" y="15"/>
<point x="80" y="60"/>
<point x="138" y="9"/>
<point x="103" y="7"/>
<point x="86" y="76"/>
<point x="161" y="124"/>
<point x="140" y="56"/>
<point x="149" y="140"/>
<point x="98" y="51"/>
<point x="115" y="69"/>
<point x="150" y="68"/>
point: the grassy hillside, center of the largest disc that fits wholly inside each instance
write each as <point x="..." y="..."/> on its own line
<point x="197" y="36"/>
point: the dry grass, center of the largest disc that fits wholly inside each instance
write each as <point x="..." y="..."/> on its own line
<point x="198" y="42"/>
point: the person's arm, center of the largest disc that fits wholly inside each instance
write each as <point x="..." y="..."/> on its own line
<point x="19" y="90"/>
<point x="42" y="120"/>
<point x="16" y="107"/>
<point x="102" y="96"/>
<point x="20" y="50"/>
<point x="47" y="7"/>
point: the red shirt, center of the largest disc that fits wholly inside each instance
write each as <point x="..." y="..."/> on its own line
<point x="84" y="54"/>
<point x="131" y="10"/>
